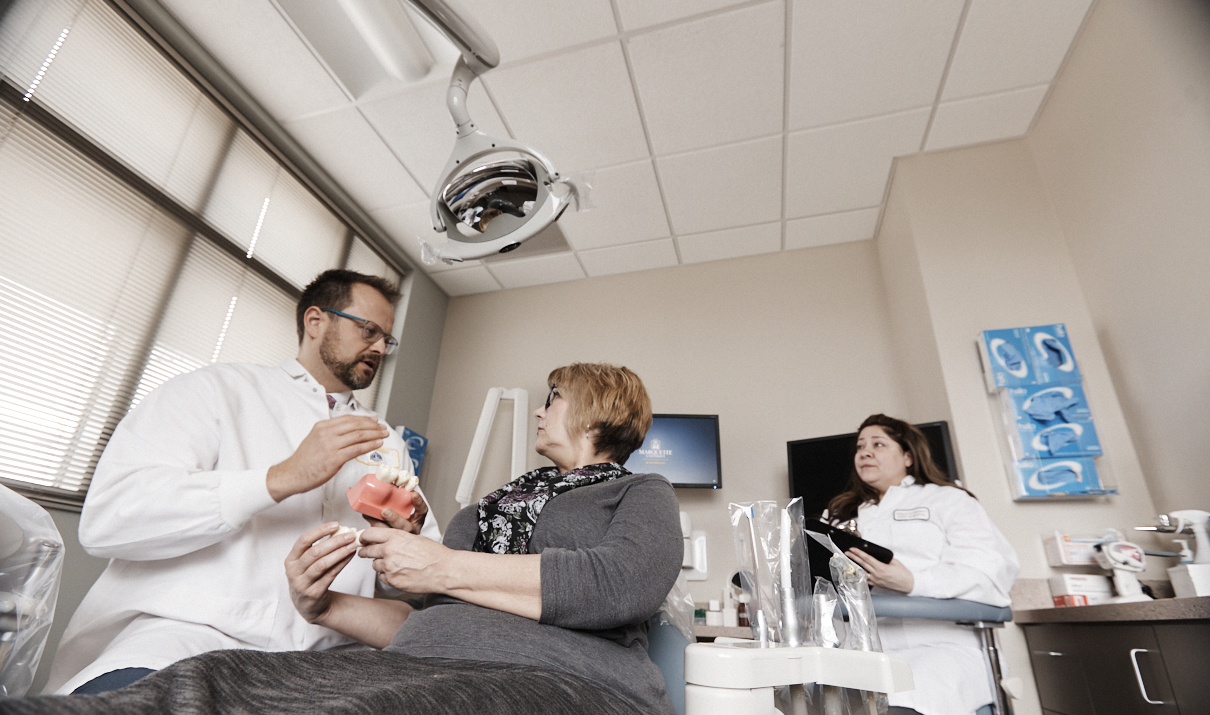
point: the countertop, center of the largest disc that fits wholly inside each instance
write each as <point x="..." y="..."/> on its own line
<point x="1164" y="609"/>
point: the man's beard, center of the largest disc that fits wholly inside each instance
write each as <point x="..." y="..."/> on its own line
<point x="347" y="372"/>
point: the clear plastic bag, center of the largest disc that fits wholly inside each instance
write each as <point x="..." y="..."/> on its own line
<point x="861" y="633"/>
<point x="678" y="607"/>
<point x="774" y="571"/>
<point x="31" y="563"/>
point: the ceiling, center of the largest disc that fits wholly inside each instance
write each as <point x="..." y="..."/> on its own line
<point x="708" y="129"/>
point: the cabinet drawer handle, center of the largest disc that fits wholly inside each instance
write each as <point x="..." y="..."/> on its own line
<point x="1134" y="660"/>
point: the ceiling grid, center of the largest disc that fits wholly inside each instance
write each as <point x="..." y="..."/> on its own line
<point x="712" y="129"/>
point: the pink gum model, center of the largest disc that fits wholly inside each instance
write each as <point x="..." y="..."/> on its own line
<point x="371" y="495"/>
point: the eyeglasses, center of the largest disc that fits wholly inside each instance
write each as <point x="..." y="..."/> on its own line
<point x="370" y="332"/>
<point x="550" y="396"/>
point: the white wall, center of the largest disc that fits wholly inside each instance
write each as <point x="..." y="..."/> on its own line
<point x="782" y="347"/>
<point x="1123" y="148"/>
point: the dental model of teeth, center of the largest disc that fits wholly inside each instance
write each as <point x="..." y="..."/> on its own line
<point x="386" y="488"/>
<point x="396" y="476"/>
<point x="350" y="530"/>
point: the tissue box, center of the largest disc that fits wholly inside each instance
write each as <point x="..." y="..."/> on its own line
<point x="1190" y="580"/>
<point x="1063" y="550"/>
<point x="1051" y="422"/>
<point x="1079" y="589"/>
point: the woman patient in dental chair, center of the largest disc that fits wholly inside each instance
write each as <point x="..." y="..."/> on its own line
<point x="536" y="602"/>
<point x="945" y="547"/>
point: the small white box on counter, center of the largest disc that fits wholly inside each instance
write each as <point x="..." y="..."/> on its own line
<point x="1190" y="580"/>
<point x="1080" y="589"/>
<point x="1063" y="550"/>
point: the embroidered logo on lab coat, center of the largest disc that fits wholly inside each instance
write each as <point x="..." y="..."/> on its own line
<point x="920" y="513"/>
<point x="388" y="456"/>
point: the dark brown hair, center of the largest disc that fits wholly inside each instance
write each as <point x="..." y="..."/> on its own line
<point x="923" y="469"/>
<point x="331" y="291"/>
<point x="610" y="400"/>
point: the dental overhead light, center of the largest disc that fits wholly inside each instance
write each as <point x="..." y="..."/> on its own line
<point x="494" y="193"/>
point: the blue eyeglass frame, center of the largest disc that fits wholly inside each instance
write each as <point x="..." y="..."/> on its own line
<point x="550" y="396"/>
<point x="388" y="340"/>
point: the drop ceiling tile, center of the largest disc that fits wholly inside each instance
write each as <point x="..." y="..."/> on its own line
<point x="417" y="126"/>
<point x="253" y="42"/>
<point x="724" y="187"/>
<point x="576" y="108"/>
<point x="731" y="243"/>
<point x="1006" y="45"/>
<point x="831" y="228"/>
<point x="630" y="258"/>
<point x="345" y="144"/>
<point x="712" y="81"/>
<point x="636" y="14"/>
<point x="524" y="28"/>
<point x="538" y="270"/>
<point x="408" y="225"/>
<point x="626" y="208"/>
<point x="846" y="167"/>
<point x="859" y="59"/>
<point x="466" y="281"/>
<point x="983" y="119"/>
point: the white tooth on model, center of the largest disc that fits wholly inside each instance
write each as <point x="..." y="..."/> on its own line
<point x="383" y="473"/>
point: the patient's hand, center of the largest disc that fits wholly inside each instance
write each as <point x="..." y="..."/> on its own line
<point x="312" y="565"/>
<point x="412" y="524"/>
<point x="894" y="575"/>
<point x="405" y="561"/>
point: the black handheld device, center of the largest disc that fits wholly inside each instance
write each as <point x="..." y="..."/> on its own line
<point x="846" y="540"/>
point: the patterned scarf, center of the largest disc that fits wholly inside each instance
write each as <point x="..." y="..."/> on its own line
<point x="507" y="516"/>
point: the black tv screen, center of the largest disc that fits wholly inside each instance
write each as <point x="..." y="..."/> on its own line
<point x="682" y="448"/>
<point x="820" y="468"/>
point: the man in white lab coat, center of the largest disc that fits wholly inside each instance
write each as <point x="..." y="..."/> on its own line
<point x="208" y="482"/>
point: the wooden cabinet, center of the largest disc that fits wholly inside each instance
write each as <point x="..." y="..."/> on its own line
<point x="1121" y="668"/>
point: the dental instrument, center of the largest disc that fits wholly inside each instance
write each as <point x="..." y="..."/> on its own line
<point x="789" y="605"/>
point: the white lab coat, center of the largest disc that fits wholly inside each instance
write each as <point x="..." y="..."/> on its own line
<point x="179" y="504"/>
<point x="945" y="538"/>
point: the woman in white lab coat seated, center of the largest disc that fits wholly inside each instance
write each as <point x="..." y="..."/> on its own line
<point x="536" y="602"/>
<point x="945" y="547"/>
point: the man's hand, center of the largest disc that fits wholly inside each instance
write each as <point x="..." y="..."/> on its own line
<point x="411" y="524"/>
<point x="311" y="567"/>
<point x="894" y="575"/>
<point x="323" y="452"/>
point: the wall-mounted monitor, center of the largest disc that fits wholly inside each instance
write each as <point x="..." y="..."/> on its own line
<point x="682" y="448"/>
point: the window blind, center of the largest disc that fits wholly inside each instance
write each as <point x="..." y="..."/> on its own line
<point x="86" y="262"/>
<point x="144" y="234"/>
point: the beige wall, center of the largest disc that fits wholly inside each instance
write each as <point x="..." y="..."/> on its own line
<point x="781" y="347"/>
<point x="989" y="252"/>
<point x="1123" y="147"/>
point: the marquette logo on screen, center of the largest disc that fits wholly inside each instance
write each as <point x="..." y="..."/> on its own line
<point x="656" y="451"/>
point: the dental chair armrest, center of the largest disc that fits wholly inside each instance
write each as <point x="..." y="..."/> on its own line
<point x="939" y="609"/>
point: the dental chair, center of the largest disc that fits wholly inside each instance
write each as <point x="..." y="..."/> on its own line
<point x="31" y="563"/>
<point x="984" y="619"/>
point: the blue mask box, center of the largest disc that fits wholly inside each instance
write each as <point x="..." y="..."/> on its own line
<point x="1075" y="476"/>
<point x="1051" y="422"/>
<point x="1006" y="358"/>
<point x="1021" y="357"/>
<point x="417" y="445"/>
<point x="1051" y="357"/>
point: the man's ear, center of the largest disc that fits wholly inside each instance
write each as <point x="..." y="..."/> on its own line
<point x="313" y="320"/>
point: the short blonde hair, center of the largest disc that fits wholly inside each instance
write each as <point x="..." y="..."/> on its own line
<point x="607" y="399"/>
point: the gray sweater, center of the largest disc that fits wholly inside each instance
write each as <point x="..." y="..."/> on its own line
<point x="610" y="554"/>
